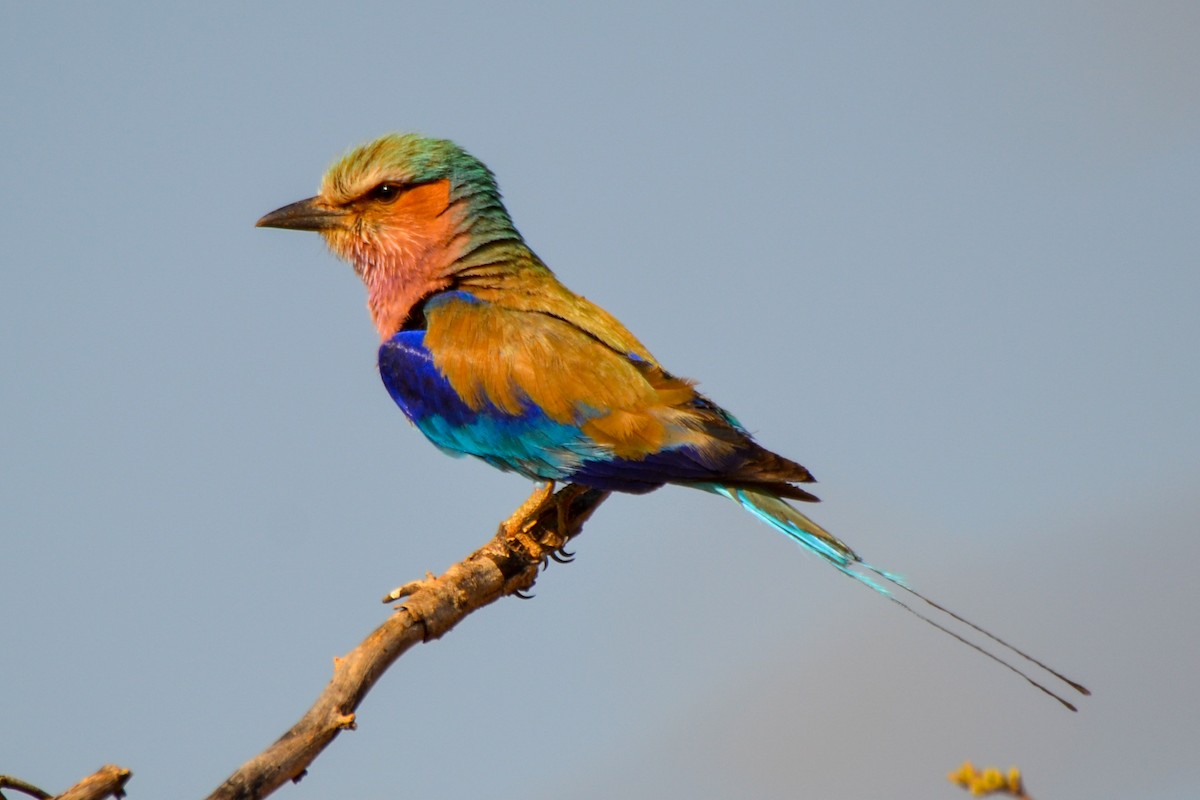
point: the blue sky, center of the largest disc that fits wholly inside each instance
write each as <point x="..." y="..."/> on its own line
<point x="943" y="254"/>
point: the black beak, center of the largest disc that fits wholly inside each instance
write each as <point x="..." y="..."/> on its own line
<point x="306" y="215"/>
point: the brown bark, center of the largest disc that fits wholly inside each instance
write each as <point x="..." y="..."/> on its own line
<point x="108" y="781"/>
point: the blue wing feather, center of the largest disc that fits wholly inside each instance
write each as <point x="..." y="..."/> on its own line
<point x="529" y="443"/>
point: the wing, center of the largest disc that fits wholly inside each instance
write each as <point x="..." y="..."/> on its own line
<point x="530" y="391"/>
<point x="527" y="442"/>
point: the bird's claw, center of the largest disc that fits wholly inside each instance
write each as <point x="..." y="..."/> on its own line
<point x="561" y="555"/>
<point x="520" y="529"/>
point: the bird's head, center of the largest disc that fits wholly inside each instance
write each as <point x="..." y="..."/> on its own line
<point x="402" y="210"/>
<point x="390" y="201"/>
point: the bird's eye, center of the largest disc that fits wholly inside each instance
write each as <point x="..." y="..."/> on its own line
<point x="385" y="192"/>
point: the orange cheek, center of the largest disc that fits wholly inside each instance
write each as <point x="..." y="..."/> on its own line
<point x="420" y="221"/>
<point x="423" y="203"/>
<point x="420" y="212"/>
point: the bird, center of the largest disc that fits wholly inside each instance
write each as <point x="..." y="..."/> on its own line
<point x="489" y="355"/>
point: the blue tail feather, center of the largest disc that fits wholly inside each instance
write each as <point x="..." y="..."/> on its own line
<point x="793" y="523"/>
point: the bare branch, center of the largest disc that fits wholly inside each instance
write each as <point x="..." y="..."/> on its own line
<point x="108" y="781"/>
<point x="507" y="564"/>
<point x="9" y="782"/>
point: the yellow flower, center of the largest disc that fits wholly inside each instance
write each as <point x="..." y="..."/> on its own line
<point x="1015" y="784"/>
<point x="990" y="780"/>
<point x="963" y="775"/>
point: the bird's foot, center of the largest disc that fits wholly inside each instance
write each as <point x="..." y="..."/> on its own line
<point x="525" y="517"/>
<point x="519" y="528"/>
<point x="529" y="533"/>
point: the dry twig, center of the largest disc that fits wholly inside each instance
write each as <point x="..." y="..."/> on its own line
<point x="9" y="782"/>
<point x="108" y="781"/>
<point x="508" y="564"/>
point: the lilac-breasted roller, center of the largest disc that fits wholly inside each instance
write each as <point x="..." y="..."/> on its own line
<point x="489" y="355"/>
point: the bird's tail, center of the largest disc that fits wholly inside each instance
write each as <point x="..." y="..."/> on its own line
<point x="783" y="516"/>
<point x="786" y="518"/>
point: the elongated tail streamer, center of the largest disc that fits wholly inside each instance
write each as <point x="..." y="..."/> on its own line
<point x="786" y="518"/>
